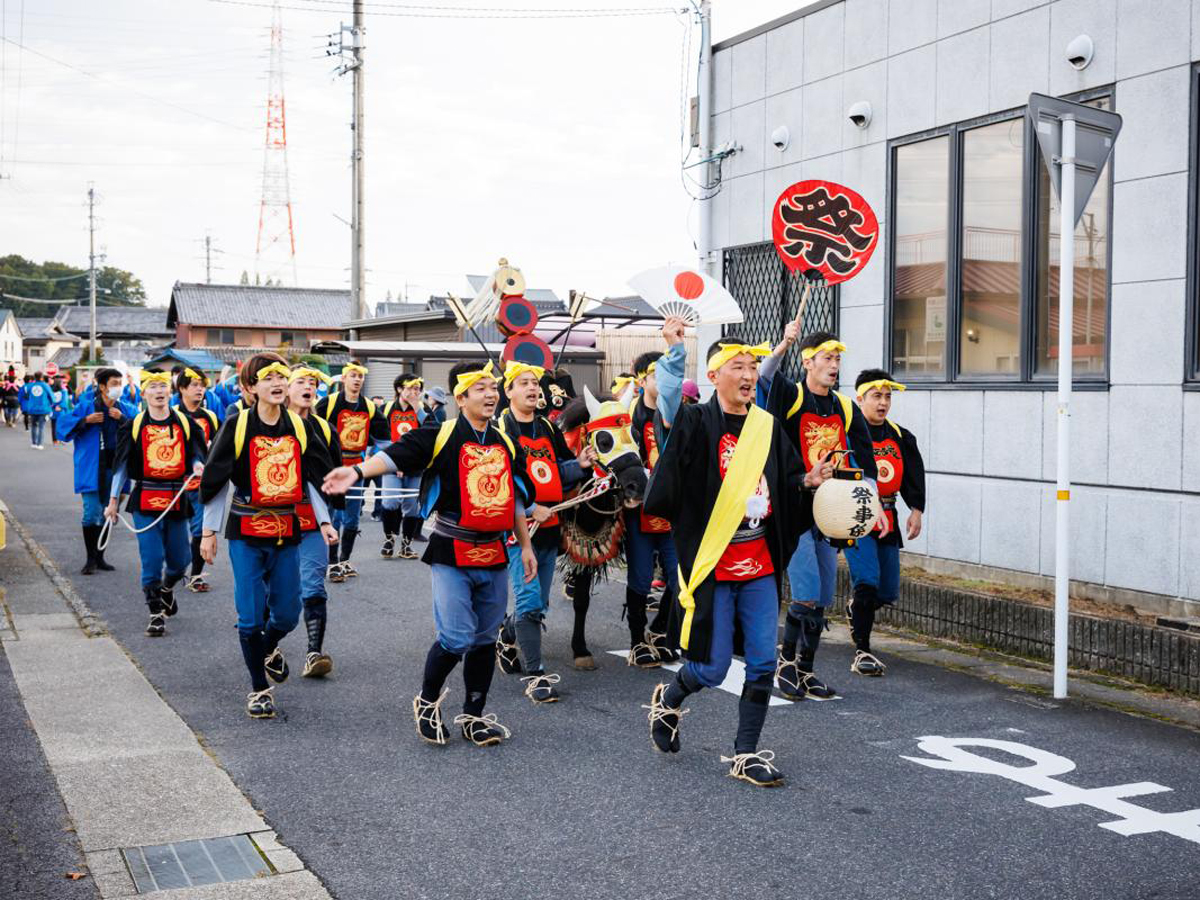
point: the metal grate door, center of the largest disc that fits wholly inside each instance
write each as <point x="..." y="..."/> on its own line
<point x="769" y="296"/>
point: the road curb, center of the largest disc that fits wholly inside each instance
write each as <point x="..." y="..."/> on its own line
<point x="91" y="624"/>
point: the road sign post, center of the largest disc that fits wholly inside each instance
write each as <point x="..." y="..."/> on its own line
<point x="1075" y="141"/>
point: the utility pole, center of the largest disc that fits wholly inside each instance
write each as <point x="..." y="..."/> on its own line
<point x="358" y="300"/>
<point x="208" y="259"/>
<point x="92" y="269"/>
<point x="704" y="87"/>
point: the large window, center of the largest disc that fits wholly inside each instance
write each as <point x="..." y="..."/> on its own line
<point x="919" y="281"/>
<point x="974" y="274"/>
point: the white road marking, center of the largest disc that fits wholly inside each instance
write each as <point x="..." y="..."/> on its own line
<point x="734" y="678"/>
<point x="1132" y="819"/>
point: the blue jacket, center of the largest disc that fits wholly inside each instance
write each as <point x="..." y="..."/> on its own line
<point x="23" y="396"/>
<point x="61" y="401"/>
<point x="37" y="399"/>
<point x="87" y="438"/>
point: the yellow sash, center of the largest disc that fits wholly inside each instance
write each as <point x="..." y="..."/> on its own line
<point x="741" y="480"/>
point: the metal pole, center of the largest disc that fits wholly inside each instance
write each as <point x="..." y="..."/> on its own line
<point x="705" y="334"/>
<point x="208" y="259"/>
<point x="1066" y="336"/>
<point x="92" y="271"/>
<point x="357" y="268"/>
<point x="704" y="114"/>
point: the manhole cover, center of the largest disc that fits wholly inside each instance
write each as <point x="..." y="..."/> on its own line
<point x="194" y="863"/>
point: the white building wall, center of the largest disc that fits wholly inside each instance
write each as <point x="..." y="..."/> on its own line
<point x="923" y="64"/>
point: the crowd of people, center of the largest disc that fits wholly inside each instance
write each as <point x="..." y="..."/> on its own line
<point x="715" y="508"/>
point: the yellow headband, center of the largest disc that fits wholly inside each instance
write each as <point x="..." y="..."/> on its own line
<point x="409" y="382"/>
<point x="194" y="375"/>
<point x="834" y="346"/>
<point x="466" y="379"/>
<point x="307" y="372"/>
<point x="354" y="367"/>
<point x="729" y="351"/>
<point x="620" y="383"/>
<point x="514" y="370"/>
<point x="149" y="378"/>
<point x="650" y="368"/>
<point x="276" y="367"/>
<point x="865" y="388"/>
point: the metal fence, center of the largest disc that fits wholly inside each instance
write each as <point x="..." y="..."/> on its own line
<point x="769" y="296"/>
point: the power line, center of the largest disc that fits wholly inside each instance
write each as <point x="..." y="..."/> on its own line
<point x="44" y="278"/>
<point x="103" y="80"/>
<point x="432" y="12"/>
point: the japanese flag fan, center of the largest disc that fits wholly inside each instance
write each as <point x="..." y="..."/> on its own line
<point x="693" y="296"/>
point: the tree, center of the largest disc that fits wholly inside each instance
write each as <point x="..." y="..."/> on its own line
<point x="60" y="281"/>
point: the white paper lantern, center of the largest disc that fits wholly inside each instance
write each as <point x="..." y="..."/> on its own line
<point x="846" y="507"/>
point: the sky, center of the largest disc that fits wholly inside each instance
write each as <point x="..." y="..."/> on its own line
<point x="554" y="142"/>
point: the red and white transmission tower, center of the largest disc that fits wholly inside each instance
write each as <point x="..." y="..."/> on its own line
<point x="275" y="250"/>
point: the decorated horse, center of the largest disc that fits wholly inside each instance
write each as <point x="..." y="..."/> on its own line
<point x="593" y="526"/>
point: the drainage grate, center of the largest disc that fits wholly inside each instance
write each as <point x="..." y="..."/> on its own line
<point x="194" y="863"/>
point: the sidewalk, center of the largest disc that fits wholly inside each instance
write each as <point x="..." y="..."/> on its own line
<point x="130" y="772"/>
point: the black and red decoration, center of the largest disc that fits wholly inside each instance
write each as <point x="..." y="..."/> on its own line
<point x="517" y="318"/>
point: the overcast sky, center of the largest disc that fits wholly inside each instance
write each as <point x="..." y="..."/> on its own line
<point x="554" y="142"/>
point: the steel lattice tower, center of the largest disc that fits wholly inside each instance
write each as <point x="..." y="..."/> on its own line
<point x="275" y="250"/>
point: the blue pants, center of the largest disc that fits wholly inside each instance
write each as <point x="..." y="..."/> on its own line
<point x="197" y="522"/>
<point x="95" y="501"/>
<point x="166" y="544"/>
<point x="410" y="507"/>
<point x="877" y="564"/>
<point x="265" y="578"/>
<point x="313" y="558"/>
<point x="468" y="606"/>
<point x="812" y="571"/>
<point x="640" y="547"/>
<point x="532" y="599"/>
<point x="755" y="606"/>
<point x="37" y="429"/>
<point x="347" y="519"/>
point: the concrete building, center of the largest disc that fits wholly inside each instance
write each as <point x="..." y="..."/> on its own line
<point x="959" y="299"/>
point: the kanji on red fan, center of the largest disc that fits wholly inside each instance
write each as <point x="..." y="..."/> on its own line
<point x="826" y="227"/>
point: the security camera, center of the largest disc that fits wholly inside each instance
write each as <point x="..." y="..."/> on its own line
<point x="1079" y="51"/>
<point x="780" y="137"/>
<point x="860" y="114"/>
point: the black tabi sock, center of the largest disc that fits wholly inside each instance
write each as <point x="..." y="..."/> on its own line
<point x="810" y="637"/>
<point x="90" y="534"/>
<point x="529" y="639"/>
<point x="439" y="663"/>
<point x="388" y="518"/>
<point x="478" y="667"/>
<point x="347" y="543"/>
<point x="333" y="554"/>
<point x="635" y="614"/>
<point x="677" y="691"/>
<point x="862" y="615"/>
<point x="254" y="654"/>
<point x="197" y="559"/>
<point x="271" y="638"/>
<point x="791" y="635"/>
<point x="153" y="598"/>
<point x="315" y="615"/>
<point x="752" y="713"/>
<point x="581" y="600"/>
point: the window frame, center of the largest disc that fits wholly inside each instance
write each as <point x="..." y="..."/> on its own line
<point x="1191" y="341"/>
<point x="1025" y="378"/>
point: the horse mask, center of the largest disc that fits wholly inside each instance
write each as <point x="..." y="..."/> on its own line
<point x="608" y="433"/>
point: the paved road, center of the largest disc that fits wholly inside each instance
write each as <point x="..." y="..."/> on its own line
<point x="578" y="804"/>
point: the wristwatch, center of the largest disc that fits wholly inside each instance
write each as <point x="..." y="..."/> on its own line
<point x="358" y="469"/>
